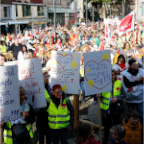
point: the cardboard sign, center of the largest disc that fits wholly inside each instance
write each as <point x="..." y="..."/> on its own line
<point x="31" y="79"/>
<point x="65" y="71"/>
<point x="9" y="94"/>
<point x="97" y="68"/>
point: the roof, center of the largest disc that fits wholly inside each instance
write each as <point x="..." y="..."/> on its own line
<point x="11" y="22"/>
<point x="61" y="10"/>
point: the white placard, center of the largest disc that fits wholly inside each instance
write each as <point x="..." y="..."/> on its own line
<point x="65" y="71"/>
<point x="97" y="67"/>
<point x="31" y="79"/>
<point x="9" y="94"/>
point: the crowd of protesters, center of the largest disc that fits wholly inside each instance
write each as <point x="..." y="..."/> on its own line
<point x="54" y="121"/>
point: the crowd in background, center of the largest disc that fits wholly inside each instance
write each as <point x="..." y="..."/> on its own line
<point x="127" y="62"/>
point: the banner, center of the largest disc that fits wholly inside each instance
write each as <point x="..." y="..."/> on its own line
<point x="9" y="94"/>
<point x="126" y="24"/>
<point x="97" y="68"/>
<point x="31" y="79"/>
<point x="65" y="71"/>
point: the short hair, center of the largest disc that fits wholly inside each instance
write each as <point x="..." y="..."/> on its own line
<point x="56" y="86"/>
<point x="9" y="55"/>
<point x="21" y="89"/>
<point x="45" y="72"/>
<point x="131" y="61"/>
<point x="132" y="113"/>
<point x="2" y="55"/>
<point x="30" y="55"/>
<point x="121" y="56"/>
<point x="120" y="130"/>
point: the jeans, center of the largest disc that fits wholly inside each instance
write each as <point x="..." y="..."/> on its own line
<point x="22" y="142"/>
<point x="82" y="87"/>
<point x="139" y="107"/>
<point x="41" y="137"/>
<point x="59" y="133"/>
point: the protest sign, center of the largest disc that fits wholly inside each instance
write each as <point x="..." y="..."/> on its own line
<point x="9" y="94"/>
<point x="97" y="68"/>
<point x="65" y="71"/>
<point x="31" y="79"/>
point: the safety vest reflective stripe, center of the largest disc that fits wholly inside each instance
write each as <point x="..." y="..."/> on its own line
<point x="7" y="136"/>
<point x="54" y="116"/>
<point x="104" y="103"/>
<point x="105" y="98"/>
<point x="58" y="122"/>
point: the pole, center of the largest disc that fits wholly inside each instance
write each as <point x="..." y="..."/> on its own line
<point x="137" y="10"/>
<point x="110" y="11"/>
<point x="100" y="131"/>
<point x="93" y="14"/>
<point x="1" y="134"/>
<point x="76" y="113"/>
<point x="54" y="5"/>
<point x="123" y="8"/>
<point x="32" y="19"/>
<point x="86" y="12"/>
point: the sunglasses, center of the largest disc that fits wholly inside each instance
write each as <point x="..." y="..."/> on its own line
<point x="59" y="92"/>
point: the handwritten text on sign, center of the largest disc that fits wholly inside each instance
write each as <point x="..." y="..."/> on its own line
<point x="31" y="79"/>
<point x="97" y="72"/>
<point x="65" y="71"/>
<point x="9" y="94"/>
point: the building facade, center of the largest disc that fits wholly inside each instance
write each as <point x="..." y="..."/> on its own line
<point x="139" y="10"/>
<point x="66" y="11"/>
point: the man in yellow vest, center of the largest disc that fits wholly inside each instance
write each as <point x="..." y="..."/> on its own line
<point x="60" y="115"/>
<point x="42" y="115"/>
<point x="109" y="106"/>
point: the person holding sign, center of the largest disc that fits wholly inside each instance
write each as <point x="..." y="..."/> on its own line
<point x="18" y="131"/>
<point x="42" y="115"/>
<point x="111" y="105"/>
<point x="59" y="119"/>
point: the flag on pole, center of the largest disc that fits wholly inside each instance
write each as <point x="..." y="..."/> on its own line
<point x="126" y="24"/>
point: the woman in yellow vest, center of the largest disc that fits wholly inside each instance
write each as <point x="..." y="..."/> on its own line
<point x="18" y="131"/>
<point x="111" y="105"/>
<point x="60" y="115"/>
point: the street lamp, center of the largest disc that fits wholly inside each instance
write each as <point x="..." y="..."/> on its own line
<point x="54" y="5"/>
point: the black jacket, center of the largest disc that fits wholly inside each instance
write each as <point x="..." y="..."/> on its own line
<point x="129" y="84"/>
<point x="15" y="49"/>
<point x="19" y="131"/>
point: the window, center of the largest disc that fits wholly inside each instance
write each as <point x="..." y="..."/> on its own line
<point x="16" y="11"/>
<point x="26" y="10"/>
<point x="57" y="1"/>
<point x="142" y="8"/>
<point x="40" y="11"/>
<point x="5" y="12"/>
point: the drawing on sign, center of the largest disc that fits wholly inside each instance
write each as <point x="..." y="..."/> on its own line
<point x="97" y="72"/>
<point x="9" y="94"/>
<point x="65" y="71"/>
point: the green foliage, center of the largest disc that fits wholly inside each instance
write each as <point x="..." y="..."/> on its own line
<point x="82" y="19"/>
<point x="103" y="1"/>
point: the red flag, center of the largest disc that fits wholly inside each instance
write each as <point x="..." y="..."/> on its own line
<point x="126" y="24"/>
<point x="106" y="31"/>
